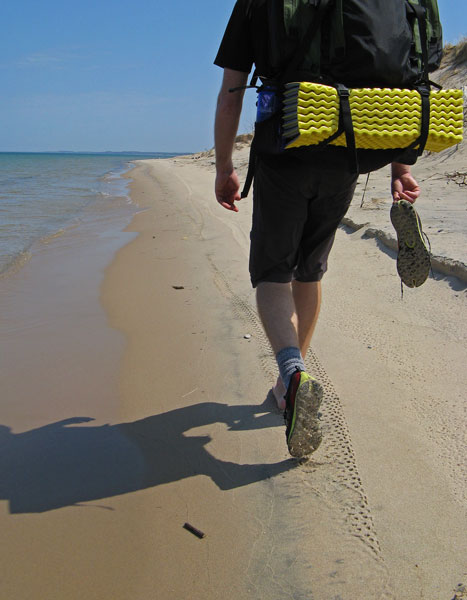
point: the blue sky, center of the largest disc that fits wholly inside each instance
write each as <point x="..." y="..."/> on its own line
<point x="109" y="75"/>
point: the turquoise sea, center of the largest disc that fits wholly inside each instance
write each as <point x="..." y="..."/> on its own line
<point x="44" y="194"/>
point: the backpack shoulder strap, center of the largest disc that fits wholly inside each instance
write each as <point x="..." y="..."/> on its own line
<point x="428" y="34"/>
<point x="294" y="64"/>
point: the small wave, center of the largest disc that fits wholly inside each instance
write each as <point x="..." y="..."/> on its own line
<point x="49" y="193"/>
<point x="52" y="236"/>
<point x="15" y="264"/>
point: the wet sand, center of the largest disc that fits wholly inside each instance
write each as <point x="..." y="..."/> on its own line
<point x="185" y="429"/>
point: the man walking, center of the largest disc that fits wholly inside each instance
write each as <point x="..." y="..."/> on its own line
<point x="299" y="200"/>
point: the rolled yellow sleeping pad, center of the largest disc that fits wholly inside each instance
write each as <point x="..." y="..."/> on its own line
<point x="382" y="118"/>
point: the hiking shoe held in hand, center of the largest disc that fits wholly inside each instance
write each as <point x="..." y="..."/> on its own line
<point x="303" y="399"/>
<point x="413" y="257"/>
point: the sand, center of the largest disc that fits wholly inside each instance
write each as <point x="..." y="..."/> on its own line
<point x="186" y="430"/>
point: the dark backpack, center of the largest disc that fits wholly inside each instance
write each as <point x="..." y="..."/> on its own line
<point x="349" y="43"/>
<point x="392" y="43"/>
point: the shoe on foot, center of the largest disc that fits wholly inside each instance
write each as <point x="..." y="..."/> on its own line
<point x="413" y="257"/>
<point x="278" y="391"/>
<point x="303" y="399"/>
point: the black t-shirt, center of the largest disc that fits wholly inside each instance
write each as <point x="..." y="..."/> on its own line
<point x="246" y="40"/>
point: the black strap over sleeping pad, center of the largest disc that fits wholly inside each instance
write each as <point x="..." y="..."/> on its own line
<point x="345" y="117"/>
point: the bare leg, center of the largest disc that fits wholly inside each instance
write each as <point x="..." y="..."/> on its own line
<point x="276" y="308"/>
<point x="307" y="303"/>
<point x="307" y="299"/>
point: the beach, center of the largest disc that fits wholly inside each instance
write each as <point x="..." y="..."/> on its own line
<point x="137" y="399"/>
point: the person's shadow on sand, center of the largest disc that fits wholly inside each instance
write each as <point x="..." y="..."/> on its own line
<point x="62" y="464"/>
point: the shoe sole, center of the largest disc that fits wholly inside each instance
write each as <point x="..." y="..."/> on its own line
<point x="413" y="257"/>
<point x="305" y="435"/>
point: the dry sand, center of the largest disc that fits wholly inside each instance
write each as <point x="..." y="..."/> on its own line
<point x="379" y="511"/>
<point x="185" y="429"/>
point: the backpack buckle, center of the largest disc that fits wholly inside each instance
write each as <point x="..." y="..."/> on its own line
<point x="342" y="90"/>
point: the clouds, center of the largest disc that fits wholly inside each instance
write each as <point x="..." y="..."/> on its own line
<point x="57" y="59"/>
<point x="97" y="102"/>
<point x="41" y="60"/>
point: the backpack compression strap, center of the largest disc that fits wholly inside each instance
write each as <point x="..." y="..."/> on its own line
<point x="420" y="14"/>
<point x="345" y="116"/>
<point x="424" y="89"/>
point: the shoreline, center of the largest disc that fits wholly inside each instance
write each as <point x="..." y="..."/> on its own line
<point x="54" y="327"/>
<point x="47" y="194"/>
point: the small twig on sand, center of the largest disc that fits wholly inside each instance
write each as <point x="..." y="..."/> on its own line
<point x="199" y="534"/>
<point x="364" y="191"/>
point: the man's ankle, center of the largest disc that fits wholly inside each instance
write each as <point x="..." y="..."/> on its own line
<point x="289" y="360"/>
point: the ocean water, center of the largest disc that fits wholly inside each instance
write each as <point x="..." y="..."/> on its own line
<point x="44" y="194"/>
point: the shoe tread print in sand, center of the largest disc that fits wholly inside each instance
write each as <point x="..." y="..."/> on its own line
<point x="326" y="487"/>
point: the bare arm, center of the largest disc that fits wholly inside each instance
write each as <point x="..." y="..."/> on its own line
<point x="229" y="108"/>
<point x="403" y="184"/>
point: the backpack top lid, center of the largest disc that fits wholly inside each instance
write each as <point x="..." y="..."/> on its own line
<point x="358" y="43"/>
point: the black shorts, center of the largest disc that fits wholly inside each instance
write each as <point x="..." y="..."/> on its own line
<point x="297" y="208"/>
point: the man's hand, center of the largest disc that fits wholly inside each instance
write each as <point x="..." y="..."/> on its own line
<point x="403" y="184"/>
<point x="227" y="189"/>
